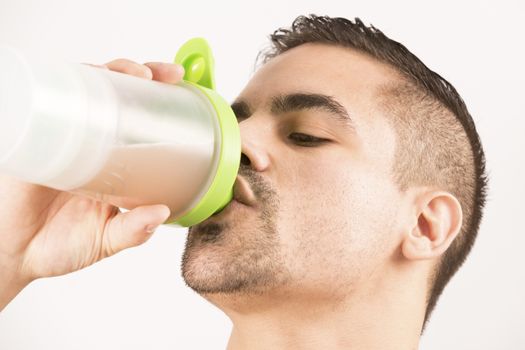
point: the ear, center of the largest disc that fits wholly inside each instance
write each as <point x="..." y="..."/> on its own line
<point x="439" y="219"/>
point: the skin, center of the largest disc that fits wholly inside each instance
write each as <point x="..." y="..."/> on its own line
<point x="331" y="254"/>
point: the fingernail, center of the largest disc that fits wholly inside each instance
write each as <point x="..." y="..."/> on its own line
<point x="151" y="228"/>
<point x="148" y="72"/>
<point x="180" y="70"/>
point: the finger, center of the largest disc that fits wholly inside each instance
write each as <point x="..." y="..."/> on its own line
<point x="132" y="228"/>
<point x="166" y="72"/>
<point x="126" y="66"/>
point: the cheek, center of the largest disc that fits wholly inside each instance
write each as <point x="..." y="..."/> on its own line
<point x="309" y="187"/>
<point x="312" y="219"/>
<point x="322" y="190"/>
<point x="332" y="217"/>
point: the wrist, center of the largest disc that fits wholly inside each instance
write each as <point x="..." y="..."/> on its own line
<point x="12" y="281"/>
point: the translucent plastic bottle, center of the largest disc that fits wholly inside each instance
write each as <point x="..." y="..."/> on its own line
<point x="121" y="139"/>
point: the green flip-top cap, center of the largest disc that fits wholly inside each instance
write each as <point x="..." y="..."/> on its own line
<point x="196" y="58"/>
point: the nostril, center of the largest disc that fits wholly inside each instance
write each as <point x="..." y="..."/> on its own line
<point x="244" y="159"/>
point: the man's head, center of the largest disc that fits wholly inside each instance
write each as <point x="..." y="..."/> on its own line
<point x="365" y="167"/>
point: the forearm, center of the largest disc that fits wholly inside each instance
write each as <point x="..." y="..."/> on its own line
<point x="11" y="282"/>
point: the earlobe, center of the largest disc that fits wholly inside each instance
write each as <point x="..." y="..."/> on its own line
<point x="439" y="219"/>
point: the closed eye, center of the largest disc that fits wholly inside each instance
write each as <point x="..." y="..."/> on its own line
<point x="305" y="140"/>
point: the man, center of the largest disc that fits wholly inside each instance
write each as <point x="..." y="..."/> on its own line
<point x="359" y="195"/>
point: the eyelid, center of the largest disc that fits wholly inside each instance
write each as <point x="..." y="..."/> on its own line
<point x="303" y="121"/>
<point x="314" y="140"/>
<point x="308" y="135"/>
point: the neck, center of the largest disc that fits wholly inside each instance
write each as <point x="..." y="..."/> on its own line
<point x="378" y="317"/>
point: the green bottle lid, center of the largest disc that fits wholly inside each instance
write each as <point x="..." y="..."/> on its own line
<point x="196" y="58"/>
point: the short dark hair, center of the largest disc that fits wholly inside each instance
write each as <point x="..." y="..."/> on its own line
<point x="438" y="144"/>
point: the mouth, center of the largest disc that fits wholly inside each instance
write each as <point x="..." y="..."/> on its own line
<point x="242" y="192"/>
<point x="243" y="197"/>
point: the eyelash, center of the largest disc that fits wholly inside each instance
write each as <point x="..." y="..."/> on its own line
<point x="307" y="140"/>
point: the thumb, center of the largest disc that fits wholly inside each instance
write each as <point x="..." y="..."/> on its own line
<point x="129" y="229"/>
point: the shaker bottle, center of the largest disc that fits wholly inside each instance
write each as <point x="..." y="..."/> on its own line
<point x="120" y="139"/>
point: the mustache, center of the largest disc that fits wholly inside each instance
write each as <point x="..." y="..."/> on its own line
<point x="264" y="193"/>
<point x="261" y="187"/>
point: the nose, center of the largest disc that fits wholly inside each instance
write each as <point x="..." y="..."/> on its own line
<point x="255" y="145"/>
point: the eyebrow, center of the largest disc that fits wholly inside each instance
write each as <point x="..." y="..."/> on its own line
<point x="294" y="102"/>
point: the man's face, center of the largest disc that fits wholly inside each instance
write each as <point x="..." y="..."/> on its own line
<point x="326" y="213"/>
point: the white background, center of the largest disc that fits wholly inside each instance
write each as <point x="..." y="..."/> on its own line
<point x="137" y="299"/>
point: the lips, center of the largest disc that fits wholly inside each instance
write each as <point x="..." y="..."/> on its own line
<point x="242" y="196"/>
<point x="243" y="193"/>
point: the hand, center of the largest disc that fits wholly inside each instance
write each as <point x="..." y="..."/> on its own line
<point x="46" y="232"/>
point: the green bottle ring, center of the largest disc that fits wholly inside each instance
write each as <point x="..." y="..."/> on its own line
<point x="195" y="56"/>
